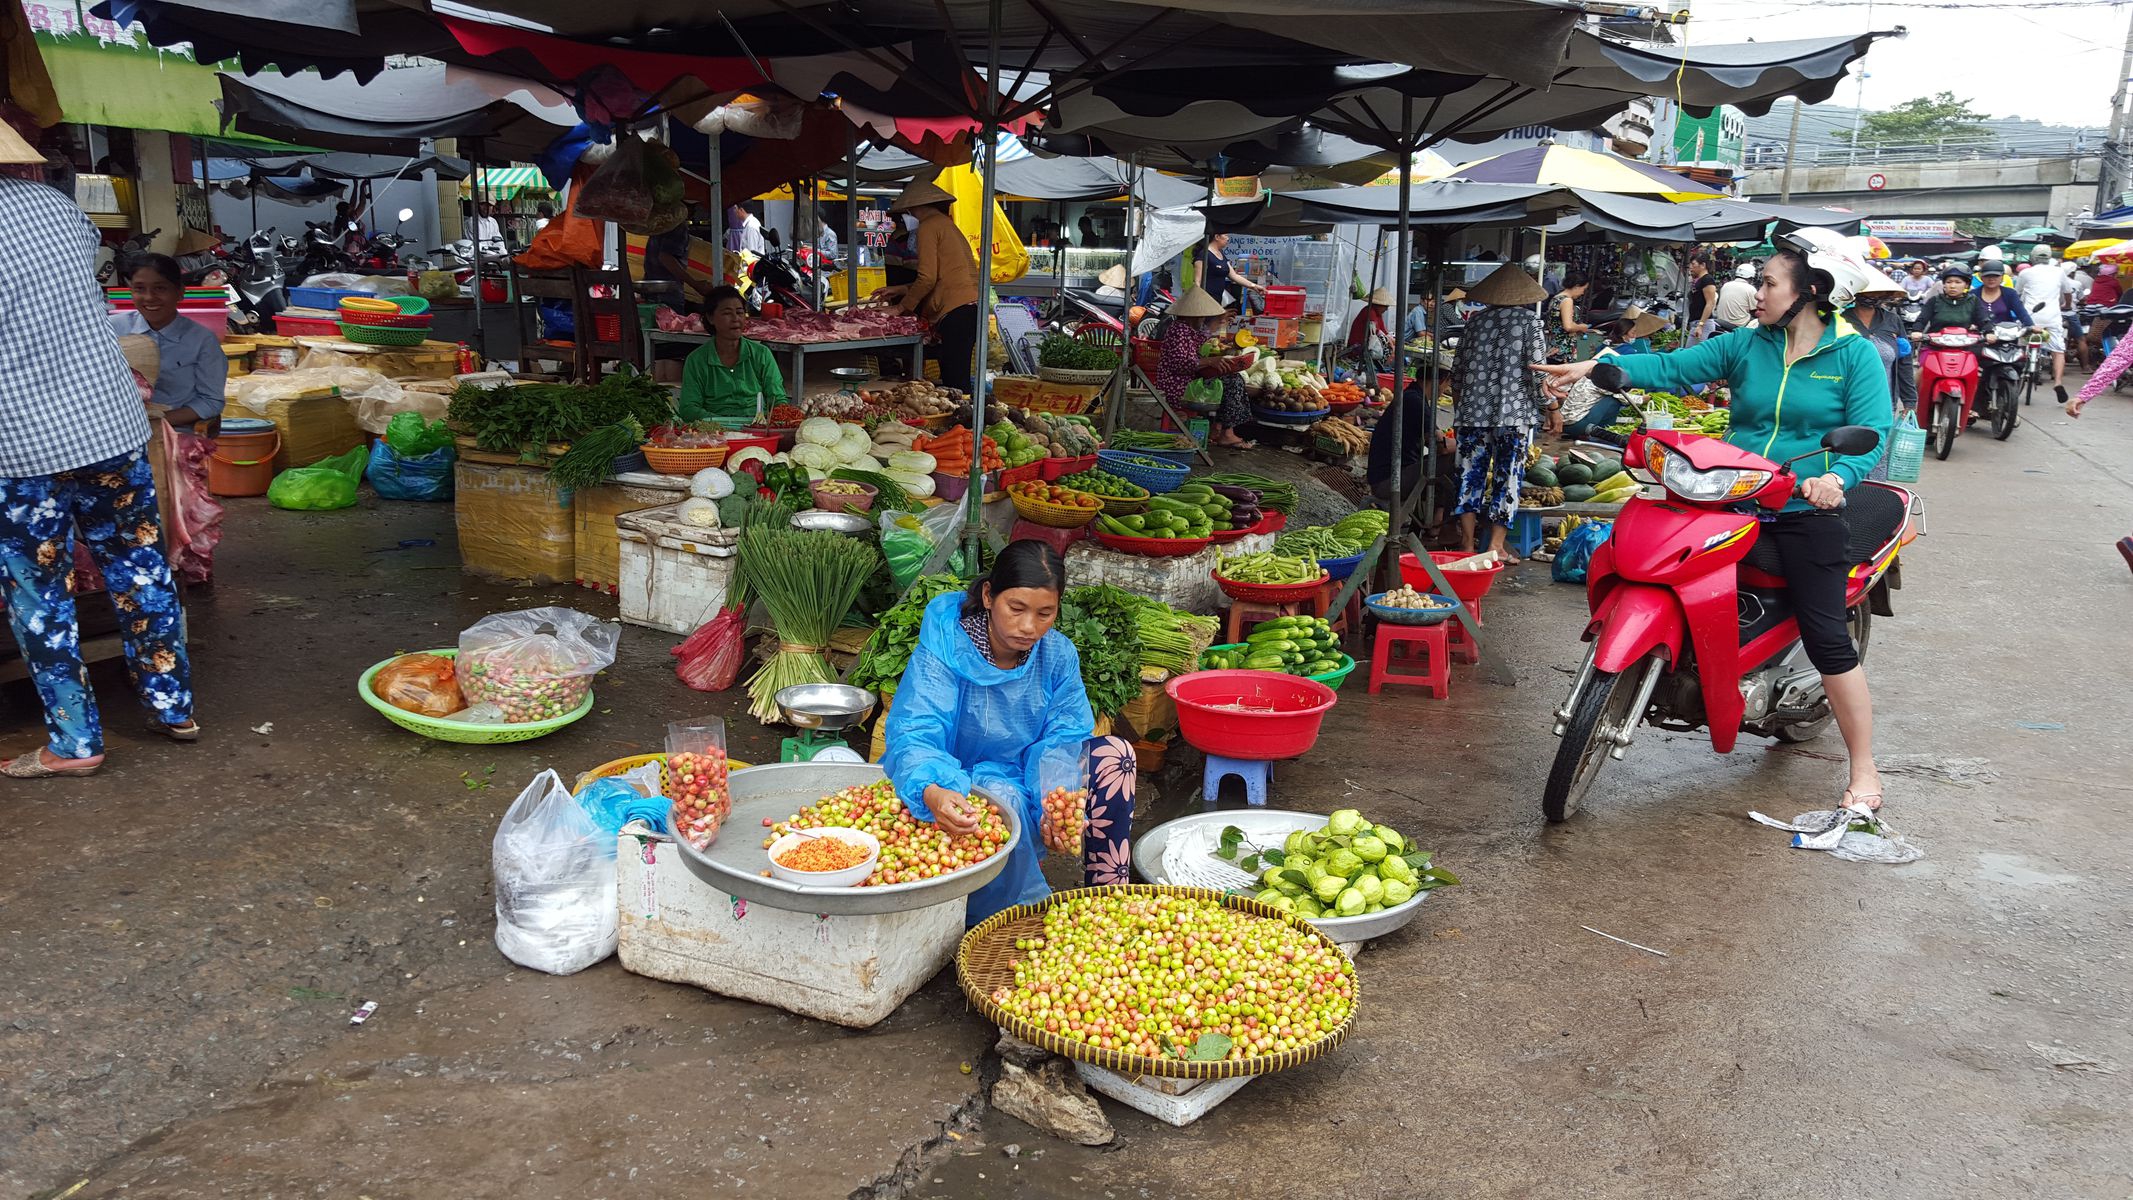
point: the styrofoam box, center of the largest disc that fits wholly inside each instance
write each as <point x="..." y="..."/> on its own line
<point x="850" y="970"/>
<point x="674" y="576"/>
<point x="1177" y="1102"/>
<point x="1186" y="583"/>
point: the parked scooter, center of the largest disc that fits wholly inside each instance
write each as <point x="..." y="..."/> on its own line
<point x="322" y="251"/>
<point x="1691" y="624"/>
<point x="137" y="244"/>
<point x="1947" y="387"/>
<point x="781" y="278"/>
<point x="260" y="288"/>
<point x="2002" y="363"/>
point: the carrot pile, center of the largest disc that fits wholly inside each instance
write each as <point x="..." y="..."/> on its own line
<point x="1343" y="393"/>
<point x="951" y="452"/>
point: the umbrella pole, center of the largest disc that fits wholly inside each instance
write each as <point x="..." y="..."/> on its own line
<point x="1125" y="304"/>
<point x="481" y="342"/>
<point x="1403" y="249"/>
<point x="974" y="530"/>
<point x="851" y="220"/>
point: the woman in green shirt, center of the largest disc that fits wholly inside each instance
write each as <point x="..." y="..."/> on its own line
<point x="723" y="377"/>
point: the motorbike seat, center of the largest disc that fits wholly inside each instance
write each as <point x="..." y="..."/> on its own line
<point x="1871" y="516"/>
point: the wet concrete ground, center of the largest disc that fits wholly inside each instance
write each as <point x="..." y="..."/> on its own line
<point x="181" y="937"/>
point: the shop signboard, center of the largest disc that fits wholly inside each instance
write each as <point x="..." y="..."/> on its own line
<point x="111" y="74"/>
<point x="1715" y="142"/>
<point x="1905" y="229"/>
<point x="1237" y="187"/>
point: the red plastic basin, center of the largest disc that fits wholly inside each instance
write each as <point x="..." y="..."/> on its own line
<point x="1467" y="585"/>
<point x="1280" y="718"/>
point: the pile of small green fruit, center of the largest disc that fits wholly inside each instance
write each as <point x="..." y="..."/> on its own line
<point x="1348" y="868"/>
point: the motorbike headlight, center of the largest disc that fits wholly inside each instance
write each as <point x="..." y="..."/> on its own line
<point x="1715" y="486"/>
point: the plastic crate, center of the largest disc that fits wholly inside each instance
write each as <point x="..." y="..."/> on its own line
<point x="1907" y="452"/>
<point x="288" y="326"/>
<point x="318" y="297"/>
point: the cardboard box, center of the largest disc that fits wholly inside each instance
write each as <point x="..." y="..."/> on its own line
<point x="314" y="425"/>
<point x="1282" y="333"/>
<point x="514" y="523"/>
<point x="593" y="512"/>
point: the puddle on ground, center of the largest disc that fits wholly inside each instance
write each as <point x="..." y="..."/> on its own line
<point x="2016" y="871"/>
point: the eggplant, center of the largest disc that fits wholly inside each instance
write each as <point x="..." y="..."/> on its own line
<point x="1234" y="493"/>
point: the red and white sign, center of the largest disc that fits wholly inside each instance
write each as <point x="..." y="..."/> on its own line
<point x="1876" y="182"/>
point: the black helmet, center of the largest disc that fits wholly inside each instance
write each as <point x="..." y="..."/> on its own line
<point x="1955" y="273"/>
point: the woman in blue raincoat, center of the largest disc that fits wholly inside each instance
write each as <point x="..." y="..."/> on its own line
<point x="993" y="700"/>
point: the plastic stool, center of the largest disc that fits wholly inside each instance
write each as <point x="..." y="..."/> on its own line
<point x="1463" y="648"/>
<point x="1526" y="534"/>
<point x="1348" y="620"/>
<point x="1435" y="641"/>
<point x="1243" y="614"/>
<point x="1256" y="773"/>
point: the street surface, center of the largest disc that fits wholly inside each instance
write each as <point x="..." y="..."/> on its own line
<point x="183" y="937"/>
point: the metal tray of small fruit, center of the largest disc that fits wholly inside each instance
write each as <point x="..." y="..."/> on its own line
<point x="734" y="862"/>
<point x="1265" y="827"/>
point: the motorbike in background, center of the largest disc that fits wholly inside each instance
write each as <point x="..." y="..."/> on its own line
<point x="259" y="289"/>
<point x="108" y="270"/>
<point x="2002" y="370"/>
<point x="1947" y="386"/>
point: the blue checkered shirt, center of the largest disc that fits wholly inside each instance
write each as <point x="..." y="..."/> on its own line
<point x="67" y="397"/>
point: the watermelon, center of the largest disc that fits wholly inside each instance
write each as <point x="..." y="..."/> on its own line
<point x="1573" y="472"/>
<point x="1578" y="493"/>
<point x="1540" y="476"/>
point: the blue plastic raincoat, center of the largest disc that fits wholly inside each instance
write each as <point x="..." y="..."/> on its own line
<point x="960" y="722"/>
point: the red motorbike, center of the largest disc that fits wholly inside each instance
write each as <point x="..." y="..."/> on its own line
<point x="1691" y="628"/>
<point x="1947" y="386"/>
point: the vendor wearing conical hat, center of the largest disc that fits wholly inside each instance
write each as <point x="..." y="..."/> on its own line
<point x="945" y="293"/>
<point x="1498" y="403"/>
<point x="1193" y="320"/>
<point x="1369" y="345"/>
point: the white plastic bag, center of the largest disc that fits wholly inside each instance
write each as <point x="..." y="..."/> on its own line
<point x="555" y="882"/>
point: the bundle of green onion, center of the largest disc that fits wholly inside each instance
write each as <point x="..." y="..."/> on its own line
<point x="1280" y="497"/>
<point x="808" y="580"/>
<point x="1170" y="640"/>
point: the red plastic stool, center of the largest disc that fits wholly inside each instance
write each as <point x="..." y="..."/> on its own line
<point x="1348" y="620"/>
<point x="1243" y="614"/>
<point x="1464" y="650"/>
<point x="1392" y="650"/>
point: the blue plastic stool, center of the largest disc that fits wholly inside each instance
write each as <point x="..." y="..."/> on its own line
<point x="1526" y="534"/>
<point x="1255" y="772"/>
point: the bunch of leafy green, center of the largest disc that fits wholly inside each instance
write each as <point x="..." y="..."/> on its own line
<point x="888" y="650"/>
<point x="526" y="417"/>
<point x="1104" y="625"/>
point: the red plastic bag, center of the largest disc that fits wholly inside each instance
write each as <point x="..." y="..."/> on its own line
<point x="424" y="684"/>
<point x="711" y="658"/>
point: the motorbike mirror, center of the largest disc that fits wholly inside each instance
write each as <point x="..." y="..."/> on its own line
<point x="405" y="214"/>
<point x="1850" y="440"/>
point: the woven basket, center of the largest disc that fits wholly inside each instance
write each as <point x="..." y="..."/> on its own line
<point x="986" y="961"/>
<point x="1269" y="593"/>
<point x="1070" y="376"/>
<point x="1155" y="476"/>
<point x="684" y="460"/>
<point x="444" y="729"/>
<point x="372" y="335"/>
<point x="385" y="320"/>
<point x="1057" y="516"/>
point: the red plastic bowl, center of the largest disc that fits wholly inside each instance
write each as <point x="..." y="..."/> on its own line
<point x="1153" y="547"/>
<point x="1467" y="585"/>
<point x="1269" y="593"/>
<point x="1284" y="722"/>
<point x="1051" y="469"/>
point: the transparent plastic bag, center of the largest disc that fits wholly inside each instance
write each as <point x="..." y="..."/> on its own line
<point x="696" y="779"/>
<point x="423" y="684"/>
<point x="908" y="538"/>
<point x="619" y="190"/>
<point x="537" y="663"/>
<point x="555" y="881"/>
<point x="1063" y="777"/>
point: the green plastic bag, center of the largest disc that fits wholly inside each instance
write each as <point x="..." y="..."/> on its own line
<point x="1204" y="394"/>
<point x="410" y="438"/>
<point x="322" y="486"/>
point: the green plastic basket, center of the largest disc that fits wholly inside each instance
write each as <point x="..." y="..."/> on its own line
<point x="446" y="730"/>
<point x="1332" y="679"/>
<point x="411" y="305"/>
<point x="378" y="335"/>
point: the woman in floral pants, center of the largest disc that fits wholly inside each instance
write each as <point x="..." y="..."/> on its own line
<point x="113" y="504"/>
<point x="1498" y="402"/>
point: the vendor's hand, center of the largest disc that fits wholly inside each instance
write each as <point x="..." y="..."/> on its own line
<point x="2074" y="406"/>
<point x="952" y="812"/>
<point x="1052" y="841"/>
<point x="1823" y="491"/>
<point x="889" y="295"/>
<point x="1560" y="379"/>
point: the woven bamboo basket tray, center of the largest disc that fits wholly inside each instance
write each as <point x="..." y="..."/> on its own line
<point x="987" y="956"/>
<point x="1056" y="516"/>
<point x="684" y="460"/>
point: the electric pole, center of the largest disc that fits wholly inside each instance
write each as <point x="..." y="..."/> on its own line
<point x="1792" y="142"/>
<point x="2108" y="173"/>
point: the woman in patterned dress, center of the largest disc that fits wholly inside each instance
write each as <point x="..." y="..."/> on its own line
<point x="993" y="700"/>
<point x="1498" y="403"/>
<point x="1194" y="319"/>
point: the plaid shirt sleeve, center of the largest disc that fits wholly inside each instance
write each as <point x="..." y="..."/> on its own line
<point x="67" y="398"/>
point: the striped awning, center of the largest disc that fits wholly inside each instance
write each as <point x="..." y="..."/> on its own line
<point x="506" y="182"/>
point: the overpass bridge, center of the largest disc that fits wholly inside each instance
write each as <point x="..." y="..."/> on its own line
<point x="2026" y="190"/>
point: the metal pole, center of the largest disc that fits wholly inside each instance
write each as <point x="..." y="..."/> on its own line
<point x="2114" y="153"/>
<point x="851" y="219"/>
<point x="974" y="529"/>
<point x="1115" y="409"/>
<point x="481" y="342"/>
<point x="714" y="170"/>
<point x="1792" y="142"/>
<point x="1403" y="250"/>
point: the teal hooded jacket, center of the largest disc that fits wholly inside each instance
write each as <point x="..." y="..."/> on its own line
<point x="1782" y="409"/>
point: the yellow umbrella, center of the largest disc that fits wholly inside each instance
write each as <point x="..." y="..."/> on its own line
<point x="2094" y="247"/>
<point x="784" y="192"/>
<point x="1567" y="166"/>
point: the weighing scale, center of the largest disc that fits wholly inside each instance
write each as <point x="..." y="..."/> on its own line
<point x="851" y="379"/>
<point x="821" y="712"/>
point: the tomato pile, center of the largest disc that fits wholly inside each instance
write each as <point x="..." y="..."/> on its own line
<point x="1052" y="493"/>
<point x="1172" y="977"/>
<point x="1068" y="810"/>
<point x="911" y="849"/>
<point x="697" y="782"/>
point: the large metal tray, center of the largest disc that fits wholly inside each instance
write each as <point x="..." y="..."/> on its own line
<point x="1268" y="826"/>
<point x="734" y="863"/>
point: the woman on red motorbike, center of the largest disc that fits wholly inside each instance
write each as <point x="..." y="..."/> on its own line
<point x="1801" y="372"/>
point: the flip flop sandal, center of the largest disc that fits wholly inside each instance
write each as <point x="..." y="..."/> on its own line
<point x="2125" y="549"/>
<point x="31" y="766"/>
<point x="1850" y="801"/>
<point x="188" y="732"/>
